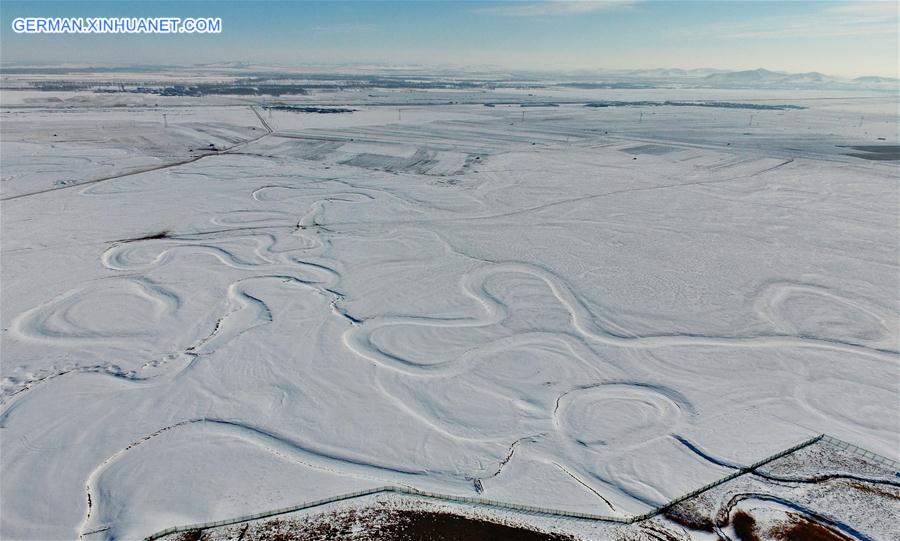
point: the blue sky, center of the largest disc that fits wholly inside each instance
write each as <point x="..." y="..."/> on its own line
<point x="840" y="38"/>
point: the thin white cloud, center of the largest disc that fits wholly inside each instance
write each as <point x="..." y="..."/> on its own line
<point x="846" y="19"/>
<point x="552" y="8"/>
<point x="886" y="8"/>
<point x="810" y="30"/>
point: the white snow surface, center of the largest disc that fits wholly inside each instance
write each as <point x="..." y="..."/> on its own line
<point x="461" y="294"/>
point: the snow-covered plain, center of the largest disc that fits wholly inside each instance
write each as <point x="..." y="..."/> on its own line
<point x="544" y="306"/>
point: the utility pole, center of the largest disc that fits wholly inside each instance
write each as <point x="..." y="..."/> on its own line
<point x="641" y="119"/>
<point x="523" y="116"/>
<point x="165" y="121"/>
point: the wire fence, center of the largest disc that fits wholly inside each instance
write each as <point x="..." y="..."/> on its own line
<point x="874" y="457"/>
<point x="529" y="508"/>
<point x="742" y="471"/>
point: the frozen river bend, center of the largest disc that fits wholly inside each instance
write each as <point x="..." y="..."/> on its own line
<point x="575" y="307"/>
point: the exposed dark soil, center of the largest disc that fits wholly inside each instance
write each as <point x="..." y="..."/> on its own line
<point x="374" y="524"/>
<point x="885" y="491"/>
<point x="425" y="526"/>
<point x="745" y="526"/>
<point x="690" y="518"/>
<point x="383" y="525"/>
<point x="802" y="529"/>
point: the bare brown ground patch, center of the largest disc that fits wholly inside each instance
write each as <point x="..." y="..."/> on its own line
<point x="383" y="525"/>
<point x="193" y="535"/>
<point x="803" y="529"/>
<point x="744" y="526"/>
<point x="884" y="491"/>
<point x="687" y="515"/>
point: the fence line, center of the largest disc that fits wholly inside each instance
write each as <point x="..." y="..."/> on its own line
<point x="527" y="508"/>
<point x="874" y="457"/>
<point x="738" y="473"/>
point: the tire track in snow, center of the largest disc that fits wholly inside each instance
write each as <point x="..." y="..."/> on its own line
<point x="147" y="169"/>
<point x="305" y="454"/>
<point x="592" y="327"/>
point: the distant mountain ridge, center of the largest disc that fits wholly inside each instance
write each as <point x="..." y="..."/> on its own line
<point x="875" y="79"/>
<point x="760" y="78"/>
<point x="767" y="78"/>
<point x="716" y="78"/>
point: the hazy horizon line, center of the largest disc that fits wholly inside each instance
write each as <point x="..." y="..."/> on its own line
<point x="472" y="68"/>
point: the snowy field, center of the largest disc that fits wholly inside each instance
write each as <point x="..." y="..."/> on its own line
<point x="568" y="307"/>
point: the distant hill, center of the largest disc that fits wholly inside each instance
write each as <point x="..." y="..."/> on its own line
<point x="674" y="72"/>
<point x="876" y="79"/>
<point x="779" y="79"/>
<point x="809" y="77"/>
<point x="764" y="76"/>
